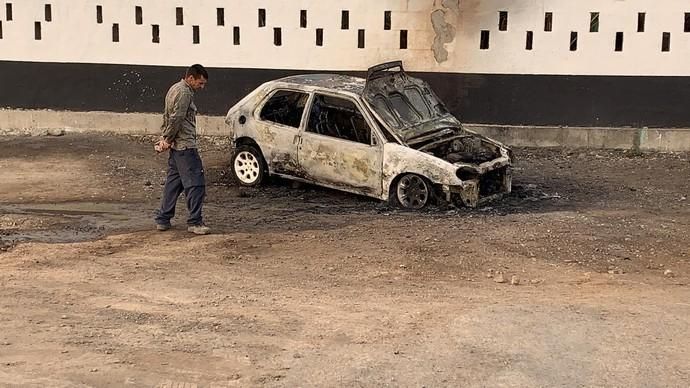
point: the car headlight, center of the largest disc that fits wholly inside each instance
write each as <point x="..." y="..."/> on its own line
<point x="467" y="173"/>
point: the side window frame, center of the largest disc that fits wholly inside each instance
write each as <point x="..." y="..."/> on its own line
<point x="273" y="92"/>
<point x="375" y="138"/>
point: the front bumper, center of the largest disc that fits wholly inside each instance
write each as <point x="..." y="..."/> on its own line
<point x="488" y="187"/>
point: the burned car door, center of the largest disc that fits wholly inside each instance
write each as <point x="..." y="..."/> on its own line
<point x="338" y="147"/>
<point x="278" y="126"/>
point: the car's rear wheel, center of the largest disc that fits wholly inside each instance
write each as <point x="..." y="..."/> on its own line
<point x="412" y="192"/>
<point x="248" y="165"/>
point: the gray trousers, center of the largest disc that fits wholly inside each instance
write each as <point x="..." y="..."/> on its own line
<point x="185" y="173"/>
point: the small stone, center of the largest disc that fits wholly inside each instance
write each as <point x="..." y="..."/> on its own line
<point x="94" y="370"/>
<point x="535" y="281"/>
<point x="668" y="273"/>
<point x="55" y="132"/>
<point x="514" y="280"/>
<point x="499" y="278"/>
<point x="63" y="317"/>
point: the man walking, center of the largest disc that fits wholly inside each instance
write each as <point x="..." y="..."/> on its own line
<point x="185" y="170"/>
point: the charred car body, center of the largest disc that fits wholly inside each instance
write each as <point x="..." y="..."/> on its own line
<point x="387" y="137"/>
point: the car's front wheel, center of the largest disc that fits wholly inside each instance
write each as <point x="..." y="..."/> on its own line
<point x="412" y="192"/>
<point x="248" y="165"/>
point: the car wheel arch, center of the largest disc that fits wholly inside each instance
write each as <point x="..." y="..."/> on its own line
<point x="392" y="188"/>
<point x="248" y="141"/>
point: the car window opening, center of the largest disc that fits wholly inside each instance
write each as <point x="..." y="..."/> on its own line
<point x="285" y="107"/>
<point x="339" y="118"/>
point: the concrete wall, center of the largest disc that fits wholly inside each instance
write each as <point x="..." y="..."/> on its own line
<point x="43" y="122"/>
<point x="74" y="64"/>
<point x="443" y="35"/>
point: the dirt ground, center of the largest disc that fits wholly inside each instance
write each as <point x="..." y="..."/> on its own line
<point x="300" y="286"/>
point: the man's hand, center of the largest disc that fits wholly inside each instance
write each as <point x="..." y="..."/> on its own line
<point x="162" y="145"/>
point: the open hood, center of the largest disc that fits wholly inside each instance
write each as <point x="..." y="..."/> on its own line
<point x="407" y="105"/>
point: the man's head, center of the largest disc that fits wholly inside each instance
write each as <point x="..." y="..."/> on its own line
<point x="196" y="77"/>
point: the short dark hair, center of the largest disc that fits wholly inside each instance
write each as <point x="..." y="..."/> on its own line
<point x="196" y="71"/>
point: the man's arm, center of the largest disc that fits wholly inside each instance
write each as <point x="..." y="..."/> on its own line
<point x="181" y="104"/>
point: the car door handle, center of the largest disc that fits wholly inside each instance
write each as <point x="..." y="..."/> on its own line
<point x="297" y="140"/>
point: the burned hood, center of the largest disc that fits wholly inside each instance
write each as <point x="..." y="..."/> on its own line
<point x="407" y="105"/>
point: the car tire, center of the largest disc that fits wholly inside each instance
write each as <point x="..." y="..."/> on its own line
<point x="248" y="166"/>
<point x="412" y="192"/>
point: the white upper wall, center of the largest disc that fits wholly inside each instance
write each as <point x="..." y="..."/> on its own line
<point x="73" y="35"/>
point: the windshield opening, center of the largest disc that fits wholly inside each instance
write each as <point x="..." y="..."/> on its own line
<point x="418" y="102"/>
<point x="404" y="109"/>
<point x="385" y="111"/>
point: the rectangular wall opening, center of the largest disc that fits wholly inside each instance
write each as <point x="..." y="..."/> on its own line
<point x="138" y="15"/>
<point x="37" y="30"/>
<point x="8" y="12"/>
<point x="236" y="35"/>
<point x="155" y="33"/>
<point x="345" y="20"/>
<point x="262" y="17"/>
<point x="529" y="41"/>
<point x="48" y="10"/>
<point x="220" y="16"/>
<point x="484" y="40"/>
<point x="403" y="39"/>
<point x="303" y="18"/>
<point x="503" y="21"/>
<point x="686" y="28"/>
<point x="548" y="21"/>
<point x="360" y="39"/>
<point x="277" y="36"/>
<point x="116" y="32"/>
<point x="196" y="35"/>
<point x="641" y="16"/>
<point x="573" y="41"/>
<point x="666" y="42"/>
<point x="319" y="36"/>
<point x="179" y="16"/>
<point x="0" y="29"/>
<point x="99" y="14"/>
<point x="619" y="41"/>
<point x="594" y="22"/>
<point x="387" y="20"/>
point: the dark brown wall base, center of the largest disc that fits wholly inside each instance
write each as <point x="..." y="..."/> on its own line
<point x="601" y="101"/>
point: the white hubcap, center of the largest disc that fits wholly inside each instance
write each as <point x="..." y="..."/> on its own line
<point x="247" y="167"/>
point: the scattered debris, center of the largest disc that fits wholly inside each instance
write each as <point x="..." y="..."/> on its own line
<point x="499" y="278"/>
<point x="514" y="280"/>
<point x="669" y="274"/>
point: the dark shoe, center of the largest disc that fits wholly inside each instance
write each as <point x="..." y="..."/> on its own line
<point x="199" y="229"/>
<point x="162" y="227"/>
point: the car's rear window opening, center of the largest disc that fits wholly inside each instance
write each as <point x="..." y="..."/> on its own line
<point x="285" y="107"/>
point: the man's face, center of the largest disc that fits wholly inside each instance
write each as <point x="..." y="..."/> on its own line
<point x="196" y="83"/>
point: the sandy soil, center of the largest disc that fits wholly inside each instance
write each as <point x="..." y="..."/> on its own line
<point x="306" y="287"/>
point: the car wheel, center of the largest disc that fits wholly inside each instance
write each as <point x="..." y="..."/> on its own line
<point x="248" y="165"/>
<point x="412" y="192"/>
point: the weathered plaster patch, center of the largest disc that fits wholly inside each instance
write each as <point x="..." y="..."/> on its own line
<point x="445" y="31"/>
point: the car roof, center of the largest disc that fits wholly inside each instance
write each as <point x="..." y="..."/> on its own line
<point x="332" y="82"/>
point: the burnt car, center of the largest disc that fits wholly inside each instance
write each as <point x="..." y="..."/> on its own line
<point x="387" y="136"/>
